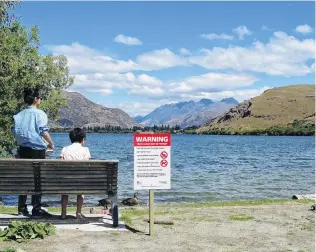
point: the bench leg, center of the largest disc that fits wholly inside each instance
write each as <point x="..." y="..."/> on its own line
<point x="115" y="216"/>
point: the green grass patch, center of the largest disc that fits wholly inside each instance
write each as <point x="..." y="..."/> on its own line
<point x="308" y="226"/>
<point x="203" y="218"/>
<point x="8" y="210"/>
<point x="241" y="217"/>
<point x="127" y="215"/>
<point x="10" y="249"/>
<point x="244" y="203"/>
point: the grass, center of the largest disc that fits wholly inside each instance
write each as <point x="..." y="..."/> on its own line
<point x="308" y="226"/>
<point x="241" y="217"/>
<point x="203" y="218"/>
<point x="243" y="203"/>
<point x="127" y="215"/>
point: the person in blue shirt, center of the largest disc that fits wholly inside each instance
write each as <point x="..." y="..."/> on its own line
<point x="31" y="133"/>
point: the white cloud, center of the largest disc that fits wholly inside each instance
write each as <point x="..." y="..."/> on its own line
<point x="140" y="108"/>
<point x="127" y="40"/>
<point x="82" y="59"/>
<point x="241" y="31"/>
<point x="239" y="95"/>
<point x="184" y="51"/>
<point x="264" y="28"/>
<point x="160" y="59"/>
<point x="213" y="36"/>
<point x="149" y="86"/>
<point x="212" y="82"/>
<point x="104" y="83"/>
<point x="283" y="55"/>
<point x="304" y="29"/>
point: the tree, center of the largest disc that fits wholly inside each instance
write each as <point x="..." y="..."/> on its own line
<point x="22" y="66"/>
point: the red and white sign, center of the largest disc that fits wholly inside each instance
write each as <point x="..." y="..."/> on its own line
<point x="152" y="161"/>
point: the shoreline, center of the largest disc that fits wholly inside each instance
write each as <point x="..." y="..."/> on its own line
<point x="229" y="203"/>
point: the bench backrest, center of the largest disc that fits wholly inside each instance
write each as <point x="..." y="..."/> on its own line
<point x="47" y="176"/>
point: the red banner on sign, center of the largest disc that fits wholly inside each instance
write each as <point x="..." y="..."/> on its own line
<point x="152" y="139"/>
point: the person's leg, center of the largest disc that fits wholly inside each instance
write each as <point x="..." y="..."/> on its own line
<point x="23" y="152"/>
<point x="22" y="209"/>
<point x="79" y="206"/>
<point x="64" y="203"/>
<point x="37" y="154"/>
<point x="36" y="199"/>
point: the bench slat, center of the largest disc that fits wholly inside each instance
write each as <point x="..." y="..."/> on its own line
<point x="86" y="192"/>
<point x="74" y="176"/>
<point x="61" y="172"/>
<point x="71" y="180"/>
<point x="23" y="175"/>
<point x="55" y="192"/>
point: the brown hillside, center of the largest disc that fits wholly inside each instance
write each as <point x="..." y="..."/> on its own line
<point x="275" y="107"/>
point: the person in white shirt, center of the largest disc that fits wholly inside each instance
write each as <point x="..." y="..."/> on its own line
<point x="75" y="151"/>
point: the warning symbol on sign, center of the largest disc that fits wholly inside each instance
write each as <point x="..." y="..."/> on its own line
<point x="163" y="163"/>
<point x="163" y="154"/>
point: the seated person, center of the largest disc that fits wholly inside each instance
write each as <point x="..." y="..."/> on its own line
<point x="75" y="151"/>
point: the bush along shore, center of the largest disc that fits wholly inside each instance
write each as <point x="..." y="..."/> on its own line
<point x="297" y="128"/>
<point x="293" y="129"/>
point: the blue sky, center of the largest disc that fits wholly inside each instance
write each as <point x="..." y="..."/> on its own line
<point x="139" y="55"/>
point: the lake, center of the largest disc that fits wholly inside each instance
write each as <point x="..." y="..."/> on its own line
<point x="208" y="168"/>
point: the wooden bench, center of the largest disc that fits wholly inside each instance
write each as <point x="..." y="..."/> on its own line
<point x="57" y="177"/>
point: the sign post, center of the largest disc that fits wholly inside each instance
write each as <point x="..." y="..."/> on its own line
<point x="152" y="166"/>
<point x="151" y="213"/>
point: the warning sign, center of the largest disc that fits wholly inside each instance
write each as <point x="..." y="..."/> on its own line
<point x="152" y="161"/>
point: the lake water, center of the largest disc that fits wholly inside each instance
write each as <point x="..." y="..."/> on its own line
<point x="212" y="168"/>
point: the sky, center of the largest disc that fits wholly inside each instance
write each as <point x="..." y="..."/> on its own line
<point x="137" y="56"/>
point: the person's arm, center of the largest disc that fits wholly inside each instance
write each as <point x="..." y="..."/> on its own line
<point x="43" y="127"/>
<point x="61" y="155"/>
<point x="88" y="153"/>
<point x="49" y="140"/>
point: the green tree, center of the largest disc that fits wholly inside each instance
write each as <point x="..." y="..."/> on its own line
<point x="22" y="66"/>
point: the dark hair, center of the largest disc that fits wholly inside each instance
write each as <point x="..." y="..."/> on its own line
<point x="77" y="135"/>
<point x="30" y="94"/>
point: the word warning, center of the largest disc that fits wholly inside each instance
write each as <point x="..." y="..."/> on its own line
<point x="152" y="161"/>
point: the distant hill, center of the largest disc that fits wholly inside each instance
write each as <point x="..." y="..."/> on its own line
<point x="82" y="112"/>
<point x="186" y="113"/>
<point x="286" y="107"/>
<point x="138" y="118"/>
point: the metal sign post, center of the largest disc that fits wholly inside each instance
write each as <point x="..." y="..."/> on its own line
<point x="151" y="213"/>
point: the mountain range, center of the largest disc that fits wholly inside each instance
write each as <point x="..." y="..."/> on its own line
<point x="187" y="113"/>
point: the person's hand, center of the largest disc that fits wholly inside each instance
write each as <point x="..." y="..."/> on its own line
<point x="51" y="147"/>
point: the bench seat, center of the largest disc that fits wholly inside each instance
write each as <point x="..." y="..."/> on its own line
<point x="56" y="176"/>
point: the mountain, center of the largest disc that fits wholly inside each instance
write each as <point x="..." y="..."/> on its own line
<point x="138" y="118"/>
<point x="276" y="107"/>
<point x="187" y="113"/>
<point x="230" y="100"/>
<point x="82" y="112"/>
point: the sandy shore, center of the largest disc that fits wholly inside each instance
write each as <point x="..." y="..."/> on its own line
<point x="274" y="227"/>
